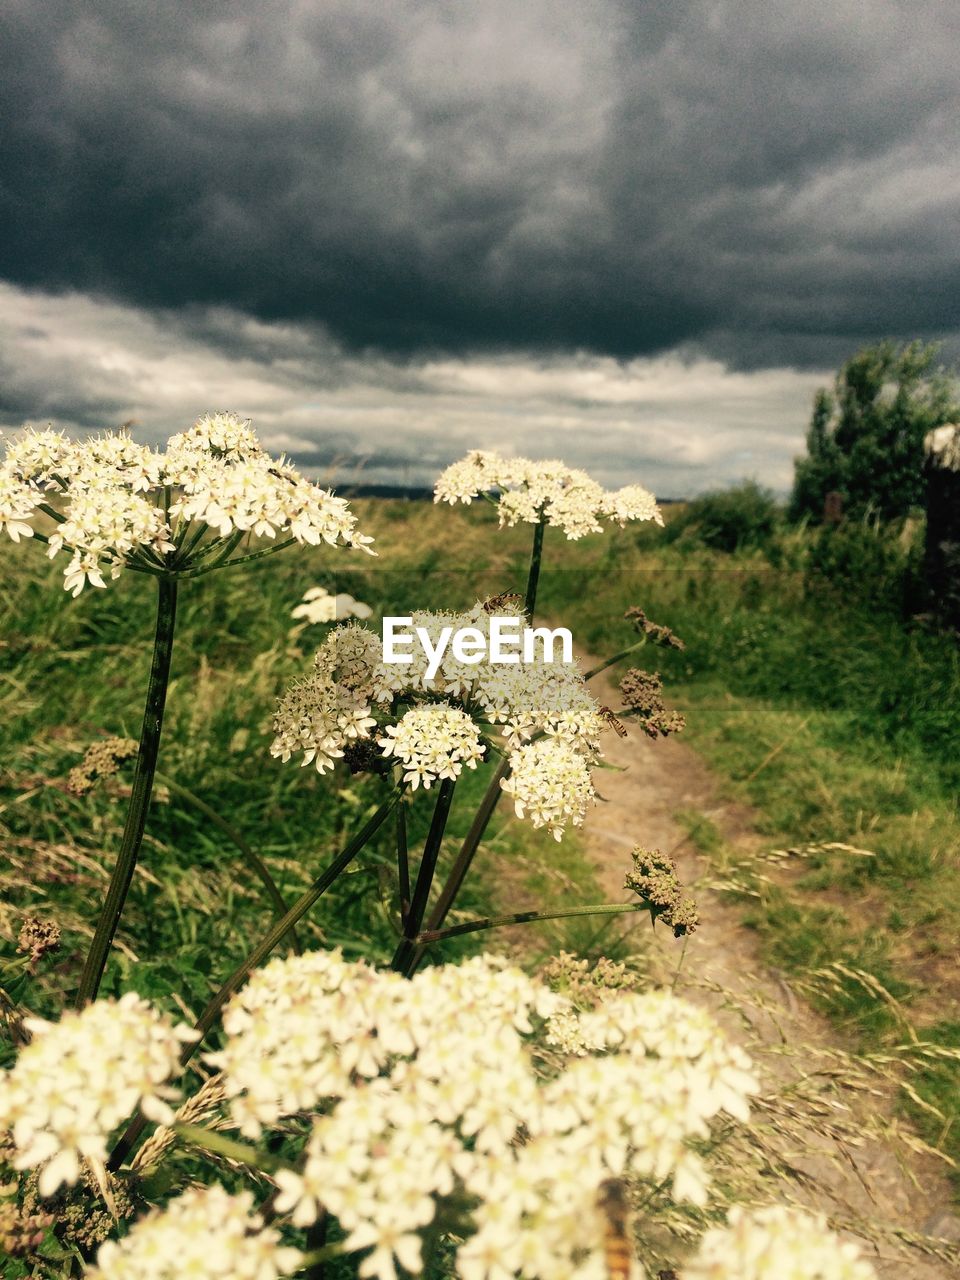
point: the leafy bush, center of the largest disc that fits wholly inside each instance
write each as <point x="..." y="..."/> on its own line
<point x="865" y="440"/>
<point x="728" y="520"/>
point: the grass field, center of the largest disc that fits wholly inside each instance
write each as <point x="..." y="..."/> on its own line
<point x="836" y="721"/>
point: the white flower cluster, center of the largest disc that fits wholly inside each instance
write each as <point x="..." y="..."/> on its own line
<point x="550" y="784"/>
<point x="79" y="1078"/>
<point x="319" y="606"/>
<point x="433" y="741"/>
<point x="17" y="504"/>
<point x="773" y="1244"/>
<point x="205" y="1233"/>
<point x="550" y="723"/>
<point x="104" y="524"/>
<point x="434" y="1085"/>
<point x="319" y="717"/>
<point x="108" y="490"/>
<point x="531" y="491"/>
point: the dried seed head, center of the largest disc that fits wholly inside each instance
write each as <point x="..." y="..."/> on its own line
<point x="654" y="879"/>
<point x="102" y="760"/>
<point x="21" y="1232"/>
<point x="643" y="692"/>
<point x="37" y="937"/>
<point x="658" y="634"/>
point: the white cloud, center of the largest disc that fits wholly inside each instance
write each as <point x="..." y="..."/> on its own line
<point x="677" y="422"/>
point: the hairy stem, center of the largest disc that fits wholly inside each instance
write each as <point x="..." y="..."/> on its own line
<point x="609" y="662"/>
<point x="250" y="855"/>
<point x="146" y="765"/>
<point x="236" y="980"/>
<point x="528" y="917"/>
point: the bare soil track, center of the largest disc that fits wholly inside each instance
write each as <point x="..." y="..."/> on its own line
<point x="875" y="1186"/>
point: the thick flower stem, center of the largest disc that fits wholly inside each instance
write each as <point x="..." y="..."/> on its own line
<point x="406" y="953"/>
<point x="146" y="765"/>
<point x="533" y="577"/>
<point x="236" y="980"/>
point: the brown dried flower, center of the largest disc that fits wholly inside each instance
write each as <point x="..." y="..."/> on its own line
<point x="643" y="692"/>
<point x="654" y="879"/>
<point x="585" y="983"/>
<point x="21" y="1232"/>
<point x="102" y="759"/>
<point x="658" y="634"/>
<point x="37" y="937"/>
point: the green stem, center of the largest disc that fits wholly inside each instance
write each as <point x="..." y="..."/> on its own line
<point x="255" y="555"/>
<point x="318" y="1251"/>
<point x="533" y="577"/>
<point x="216" y="1143"/>
<point x="189" y="542"/>
<point x="146" y="765"/>
<point x="602" y="666"/>
<point x="403" y="866"/>
<point x="471" y="842"/>
<point x="231" y="544"/>
<point x="51" y="512"/>
<point x="236" y="979"/>
<point x="528" y="917"/>
<point x="405" y="954"/>
<point x="253" y="859"/>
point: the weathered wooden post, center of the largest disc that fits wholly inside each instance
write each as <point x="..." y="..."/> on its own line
<point x="833" y="508"/>
<point x="942" y="550"/>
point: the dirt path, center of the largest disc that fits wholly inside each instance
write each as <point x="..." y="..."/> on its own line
<point x="827" y="1144"/>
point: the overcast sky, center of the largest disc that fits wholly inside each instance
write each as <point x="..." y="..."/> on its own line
<point x="634" y="234"/>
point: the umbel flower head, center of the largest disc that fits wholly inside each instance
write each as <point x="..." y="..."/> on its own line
<point x="774" y="1243"/>
<point x="434" y="726"/>
<point x="204" y="1232"/>
<point x="435" y="1107"/>
<point x="533" y="491"/>
<point x="78" y="1078"/>
<point x="120" y="504"/>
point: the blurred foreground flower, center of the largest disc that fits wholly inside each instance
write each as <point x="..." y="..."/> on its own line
<point x="442" y="1119"/>
<point x="204" y="1232"/>
<point x="320" y="606"/>
<point x="80" y="1077"/>
<point x="773" y="1244"/>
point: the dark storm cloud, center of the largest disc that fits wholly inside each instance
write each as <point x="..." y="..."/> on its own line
<point x="742" y="177"/>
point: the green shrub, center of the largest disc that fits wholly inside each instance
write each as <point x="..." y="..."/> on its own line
<point x="728" y="520"/>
